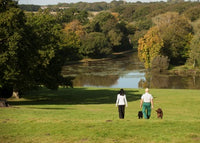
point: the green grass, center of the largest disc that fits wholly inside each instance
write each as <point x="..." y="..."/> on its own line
<point x="89" y="115"/>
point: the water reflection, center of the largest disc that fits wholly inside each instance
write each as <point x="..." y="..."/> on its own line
<point x="172" y="82"/>
<point x="125" y="72"/>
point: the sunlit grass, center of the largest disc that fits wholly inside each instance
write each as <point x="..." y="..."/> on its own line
<point x="90" y="115"/>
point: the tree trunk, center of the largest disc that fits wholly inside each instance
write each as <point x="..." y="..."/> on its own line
<point x="194" y="64"/>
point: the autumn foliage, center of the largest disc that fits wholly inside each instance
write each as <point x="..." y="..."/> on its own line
<point x="149" y="46"/>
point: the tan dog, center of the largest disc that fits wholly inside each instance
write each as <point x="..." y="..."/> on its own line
<point x="159" y="113"/>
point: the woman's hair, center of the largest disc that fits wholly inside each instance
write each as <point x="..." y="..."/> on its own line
<point x="121" y="92"/>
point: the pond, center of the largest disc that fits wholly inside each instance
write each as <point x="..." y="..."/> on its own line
<point x="125" y="72"/>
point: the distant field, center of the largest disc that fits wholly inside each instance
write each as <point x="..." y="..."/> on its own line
<point x="89" y="115"/>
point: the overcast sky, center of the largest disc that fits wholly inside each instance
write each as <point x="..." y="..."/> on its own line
<point x="51" y="2"/>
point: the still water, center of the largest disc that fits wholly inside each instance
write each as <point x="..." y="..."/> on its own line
<point x="125" y="72"/>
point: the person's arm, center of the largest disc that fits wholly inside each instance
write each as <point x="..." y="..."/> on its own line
<point x="117" y="101"/>
<point x="141" y="102"/>
<point x="126" y="101"/>
<point x="152" y="103"/>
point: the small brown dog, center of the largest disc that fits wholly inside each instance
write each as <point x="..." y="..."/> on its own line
<point x="159" y="113"/>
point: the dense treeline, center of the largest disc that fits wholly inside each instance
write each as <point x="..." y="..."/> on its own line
<point x="83" y="6"/>
<point x="141" y="18"/>
<point x="170" y="35"/>
<point x="35" y="46"/>
<point x="30" y="7"/>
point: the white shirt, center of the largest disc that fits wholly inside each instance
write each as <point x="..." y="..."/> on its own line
<point x="121" y="100"/>
<point x="147" y="97"/>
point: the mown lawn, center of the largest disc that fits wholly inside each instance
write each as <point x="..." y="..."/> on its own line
<point x="89" y="115"/>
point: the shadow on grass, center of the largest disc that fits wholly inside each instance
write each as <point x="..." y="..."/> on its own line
<point x="74" y="96"/>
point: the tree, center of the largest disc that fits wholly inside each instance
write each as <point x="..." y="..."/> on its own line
<point x="95" y="45"/>
<point x="160" y="64"/>
<point x="115" y="37"/>
<point x="141" y="12"/>
<point x="75" y="27"/>
<point x="68" y="15"/>
<point x="14" y="48"/>
<point x="175" y="30"/>
<point x="30" y="52"/>
<point x="195" y="50"/>
<point x="143" y="24"/>
<point x="103" y="22"/>
<point x="73" y="33"/>
<point x="193" y="13"/>
<point x="127" y="13"/>
<point x="150" y="46"/>
<point x="49" y="58"/>
<point x="115" y="30"/>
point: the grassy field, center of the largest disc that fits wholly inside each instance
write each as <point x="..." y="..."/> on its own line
<point x="89" y="115"/>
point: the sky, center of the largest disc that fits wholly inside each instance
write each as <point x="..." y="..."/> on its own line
<point x="53" y="2"/>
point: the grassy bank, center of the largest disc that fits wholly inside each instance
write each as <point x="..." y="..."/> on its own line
<point x="89" y="115"/>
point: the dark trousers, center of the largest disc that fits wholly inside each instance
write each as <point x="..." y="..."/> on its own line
<point x="121" y="110"/>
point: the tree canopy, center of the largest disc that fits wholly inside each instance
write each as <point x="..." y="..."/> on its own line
<point x="14" y="43"/>
<point x="150" y="46"/>
<point x="35" y="46"/>
<point x="30" y="49"/>
<point x="176" y="33"/>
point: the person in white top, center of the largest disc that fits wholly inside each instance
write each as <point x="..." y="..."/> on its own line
<point x="121" y="102"/>
<point x="146" y="104"/>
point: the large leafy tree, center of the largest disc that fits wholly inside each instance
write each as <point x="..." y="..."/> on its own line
<point x="115" y="30"/>
<point x="150" y="46"/>
<point x="15" y="48"/>
<point x="96" y="45"/>
<point x="103" y="22"/>
<point x="50" y="58"/>
<point x="30" y="49"/>
<point x="176" y="32"/>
